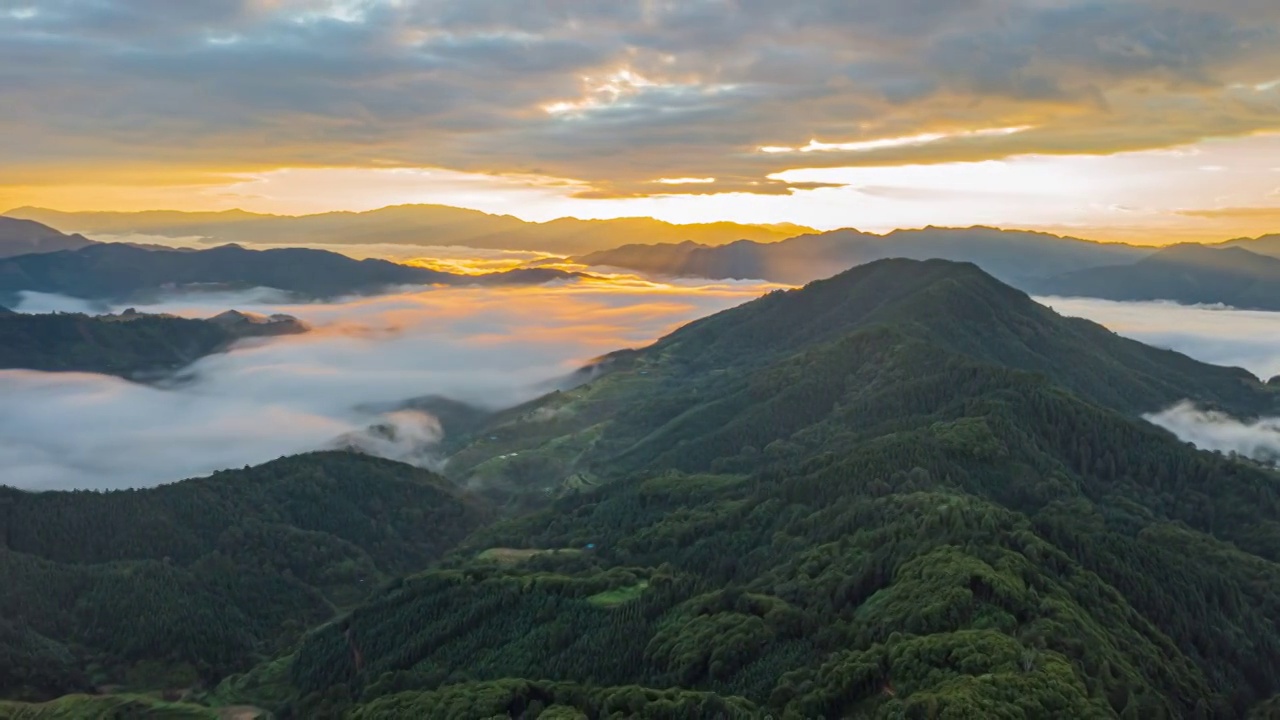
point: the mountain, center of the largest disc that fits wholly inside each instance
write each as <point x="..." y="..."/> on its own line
<point x="906" y="491"/>
<point x="166" y="586"/>
<point x="1264" y="245"/>
<point x="122" y="273"/>
<point x="407" y="224"/>
<point x="1011" y="255"/>
<point x="245" y="324"/>
<point x="1189" y="274"/>
<point x="131" y="344"/>
<point x="20" y="237"/>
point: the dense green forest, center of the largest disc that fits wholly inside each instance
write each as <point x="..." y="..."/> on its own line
<point x="185" y="583"/>
<point x="905" y="492"/>
<point x="108" y="345"/>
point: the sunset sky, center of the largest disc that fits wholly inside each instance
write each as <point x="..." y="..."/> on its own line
<point x="1141" y="120"/>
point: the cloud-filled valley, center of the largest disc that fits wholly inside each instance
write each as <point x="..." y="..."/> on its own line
<point x="493" y="348"/>
<point x="1218" y="335"/>
<point x="273" y="397"/>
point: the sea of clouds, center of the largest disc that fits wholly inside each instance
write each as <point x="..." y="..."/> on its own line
<point x="278" y="396"/>
<point x="489" y="347"/>
<point x="1223" y="336"/>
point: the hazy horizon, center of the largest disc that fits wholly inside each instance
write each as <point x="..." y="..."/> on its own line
<point x="797" y="228"/>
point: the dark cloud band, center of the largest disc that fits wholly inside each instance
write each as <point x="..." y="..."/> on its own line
<point x="620" y="94"/>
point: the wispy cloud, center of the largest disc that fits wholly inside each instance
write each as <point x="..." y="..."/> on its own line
<point x="1210" y="430"/>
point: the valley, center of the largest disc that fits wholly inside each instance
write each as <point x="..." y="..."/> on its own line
<point x="905" y="489"/>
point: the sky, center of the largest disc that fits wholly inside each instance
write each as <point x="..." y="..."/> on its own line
<point x="1141" y="120"/>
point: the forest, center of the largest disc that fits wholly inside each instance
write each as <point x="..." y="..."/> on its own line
<point x="185" y="583"/>
<point x="138" y="345"/>
<point x="904" y="492"/>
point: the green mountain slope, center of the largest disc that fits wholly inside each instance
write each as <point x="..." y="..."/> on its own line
<point x="874" y="497"/>
<point x="907" y="491"/>
<point x="770" y="368"/>
<point x="189" y="581"/>
<point x="1188" y="274"/>
<point x="128" y="345"/>
<point x="94" y="707"/>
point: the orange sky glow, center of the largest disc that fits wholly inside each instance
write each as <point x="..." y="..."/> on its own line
<point x="1146" y="121"/>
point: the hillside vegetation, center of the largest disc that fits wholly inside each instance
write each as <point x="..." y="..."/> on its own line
<point x="128" y="347"/>
<point x="906" y="491"/>
<point x="184" y="583"/>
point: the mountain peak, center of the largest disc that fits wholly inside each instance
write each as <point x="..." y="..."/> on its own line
<point x="23" y="237"/>
<point x="958" y="308"/>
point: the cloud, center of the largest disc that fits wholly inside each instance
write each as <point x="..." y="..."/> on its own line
<point x="1210" y="430"/>
<point x="616" y="94"/>
<point x="343" y="382"/>
<point x="279" y="396"/>
<point x="1212" y="334"/>
<point x="1271" y="214"/>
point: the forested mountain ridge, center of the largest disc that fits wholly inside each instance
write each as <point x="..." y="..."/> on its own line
<point x="724" y="366"/>
<point x="123" y="273"/>
<point x="906" y="491"/>
<point x="167" y="586"/>
<point x="1189" y="274"/>
<point x="963" y="308"/>
<point x="128" y="345"/>
<point x="864" y="517"/>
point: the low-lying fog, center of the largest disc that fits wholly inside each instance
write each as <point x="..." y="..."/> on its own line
<point x="278" y="396"/>
<point x="1242" y="338"/>
<point x="492" y="347"/>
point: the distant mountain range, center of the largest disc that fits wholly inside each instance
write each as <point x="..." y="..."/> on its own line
<point x="123" y="273"/>
<point x="1227" y="274"/>
<point x="19" y="237"/>
<point x="1011" y="255"/>
<point x="407" y="224"/>
<point x="1189" y="274"/>
<point x="1241" y="273"/>
<point x="1264" y="245"/>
